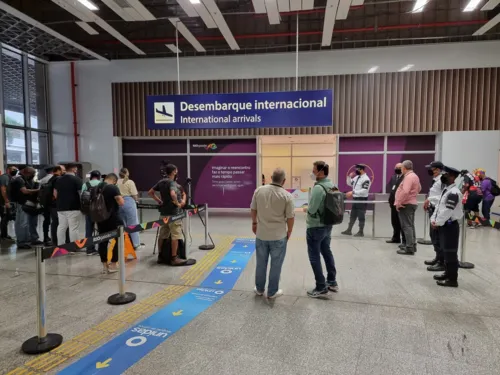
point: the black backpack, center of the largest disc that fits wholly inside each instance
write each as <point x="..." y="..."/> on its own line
<point x="334" y="207"/>
<point x="86" y="198"/>
<point x="46" y="195"/>
<point x="495" y="190"/>
<point x="98" y="211"/>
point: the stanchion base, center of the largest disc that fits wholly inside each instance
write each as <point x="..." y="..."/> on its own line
<point x="34" y="346"/>
<point x="119" y="299"/>
<point x="466" y="265"/>
<point x="421" y="241"/>
<point x="206" y="247"/>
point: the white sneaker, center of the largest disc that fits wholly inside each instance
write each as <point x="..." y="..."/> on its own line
<point x="279" y="293"/>
<point x="112" y="270"/>
<point x="257" y="292"/>
<point x="140" y="247"/>
<point x="104" y="270"/>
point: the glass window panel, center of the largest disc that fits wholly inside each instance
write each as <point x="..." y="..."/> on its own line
<point x="276" y="150"/>
<point x="39" y="148"/>
<point x="269" y="164"/>
<point x="13" y="92"/>
<point x="37" y="97"/>
<point x="15" y="141"/>
<point x="319" y="149"/>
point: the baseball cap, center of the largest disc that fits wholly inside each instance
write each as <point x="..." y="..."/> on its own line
<point x="451" y="170"/>
<point x="435" y="164"/>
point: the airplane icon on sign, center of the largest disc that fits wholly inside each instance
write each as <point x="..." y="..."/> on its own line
<point x="163" y="111"/>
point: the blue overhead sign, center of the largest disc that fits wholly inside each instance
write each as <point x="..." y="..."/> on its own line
<point x="249" y="110"/>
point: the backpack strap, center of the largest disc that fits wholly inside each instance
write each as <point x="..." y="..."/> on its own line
<point x="88" y="185"/>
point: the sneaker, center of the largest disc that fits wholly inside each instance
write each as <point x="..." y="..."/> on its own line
<point x="37" y="243"/>
<point x="112" y="270"/>
<point x="276" y="295"/>
<point x="140" y="247"/>
<point x="257" y="292"/>
<point x="315" y="293"/>
<point x="333" y="287"/>
<point x="359" y="234"/>
<point x="104" y="270"/>
<point x="347" y="233"/>
<point x="92" y="252"/>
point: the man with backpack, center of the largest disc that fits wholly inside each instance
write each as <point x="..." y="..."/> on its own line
<point x="490" y="190"/>
<point x="85" y="200"/>
<point x="273" y="217"/>
<point x="321" y="217"/>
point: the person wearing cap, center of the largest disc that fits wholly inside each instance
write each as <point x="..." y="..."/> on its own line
<point x="445" y="220"/>
<point x="360" y="183"/>
<point x="435" y="170"/>
<point x="95" y="179"/>
<point x="472" y="195"/>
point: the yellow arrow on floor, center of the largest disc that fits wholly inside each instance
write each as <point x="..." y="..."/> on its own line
<point x="233" y="261"/>
<point x="104" y="364"/>
<point x="218" y="282"/>
<point x="177" y="313"/>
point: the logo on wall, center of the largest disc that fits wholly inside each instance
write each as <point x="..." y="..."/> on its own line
<point x="164" y="113"/>
<point x="211" y="147"/>
<point x="368" y="170"/>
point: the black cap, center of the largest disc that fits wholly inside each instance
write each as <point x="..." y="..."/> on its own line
<point x="435" y="164"/>
<point x="48" y="168"/>
<point x="95" y="174"/>
<point x="452" y="171"/>
<point x="361" y="166"/>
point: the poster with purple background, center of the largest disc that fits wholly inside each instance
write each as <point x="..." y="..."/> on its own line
<point x="224" y="181"/>
<point x="374" y="168"/>
<point x="222" y="146"/>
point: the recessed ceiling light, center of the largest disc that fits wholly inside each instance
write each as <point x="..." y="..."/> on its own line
<point x="472" y="5"/>
<point x="88" y="4"/>
<point x="419" y="6"/>
<point x="194" y="1"/>
<point x="173" y="48"/>
<point x="407" y="67"/>
<point x="373" y="69"/>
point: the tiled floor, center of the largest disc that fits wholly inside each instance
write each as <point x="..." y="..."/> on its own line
<point x="388" y="318"/>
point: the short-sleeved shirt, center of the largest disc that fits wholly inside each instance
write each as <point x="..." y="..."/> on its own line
<point x="4" y="181"/>
<point x="92" y="183"/>
<point x="165" y="186"/>
<point x="127" y="187"/>
<point x="274" y="205"/>
<point x="68" y="189"/>
<point x="110" y="192"/>
<point x="15" y="193"/>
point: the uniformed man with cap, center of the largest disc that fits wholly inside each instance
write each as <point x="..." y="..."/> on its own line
<point x="435" y="169"/>
<point x="360" y="183"/>
<point x="445" y="219"/>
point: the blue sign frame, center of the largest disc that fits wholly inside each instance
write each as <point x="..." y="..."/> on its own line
<point x="246" y="110"/>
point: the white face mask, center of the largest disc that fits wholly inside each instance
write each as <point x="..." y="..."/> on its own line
<point x="313" y="176"/>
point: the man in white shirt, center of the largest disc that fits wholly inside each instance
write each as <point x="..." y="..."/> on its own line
<point x="273" y="217"/>
<point x="360" y="183"/>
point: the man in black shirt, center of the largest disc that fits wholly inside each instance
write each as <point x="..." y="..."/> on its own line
<point x="20" y="191"/>
<point x="113" y="200"/>
<point x="171" y="202"/>
<point x="392" y="187"/>
<point x="5" y="206"/>
<point x="67" y="190"/>
<point x="57" y="172"/>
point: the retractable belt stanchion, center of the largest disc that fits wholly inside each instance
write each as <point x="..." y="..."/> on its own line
<point x="426" y="239"/>
<point x="206" y="246"/>
<point x="44" y="342"/>
<point x="463" y="246"/>
<point x="122" y="297"/>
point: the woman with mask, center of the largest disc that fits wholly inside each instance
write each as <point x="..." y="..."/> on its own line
<point x="128" y="212"/>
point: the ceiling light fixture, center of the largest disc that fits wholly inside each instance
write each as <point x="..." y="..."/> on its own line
<point x="472" y="5"/>
<point x="407" y="67"/>
<point x="373" y="69"/>
<point x="490" y="5"/>
<point x="173" y="48"/>
<point x="194" y="1"/>
<point x="419" y="6"/>
<point x="89" y="5"/>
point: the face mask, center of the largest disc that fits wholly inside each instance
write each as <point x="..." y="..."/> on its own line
<point x="176" y="177"/>
<point x="444" y="179"/>
<point x="358" y="172"/>
<point x="313" y="176"/>
<point x="397" y="171"/>
<point x="13" y="173"/>
<point x="430" y="172"/>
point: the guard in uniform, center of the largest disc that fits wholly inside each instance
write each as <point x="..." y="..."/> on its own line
<point x="360" y="183"/>
<point x="435" y="169"/>
<point x="445" y="219"/>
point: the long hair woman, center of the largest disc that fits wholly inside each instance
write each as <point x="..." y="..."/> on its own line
<point x="128" y="212"/>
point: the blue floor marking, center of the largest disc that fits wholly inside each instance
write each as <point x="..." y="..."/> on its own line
<point x="125" y="350"/>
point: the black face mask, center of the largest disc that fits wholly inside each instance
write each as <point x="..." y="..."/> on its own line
<point x="358" y="172"/>
<point x="176" y="177"/>
<point x="430" y="172"/>
<point x="397" y="171"/>
<point x="13" y="173"/>
<point x="444" y="179"/>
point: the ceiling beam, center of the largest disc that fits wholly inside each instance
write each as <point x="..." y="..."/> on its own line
<point x="284" y="5"/>
<point x="357" y="2"/>
<point x="343" y="10"/>
<point x="273" y="13"/>
<point x="66" y="5"/>
<point x="48" y="30"/>
<point x="307" y="4"/>
<point x="188" y="8"/>
<point x="173" y="48"/>
<point x="295" y="5"/>
<point x="490" y="5"/>
<point x="186" y="34"/>
<point x="259" y="6"/>
<point x="221" y="23"/>
<point x="142" y="10"/>
<point x="487" y="26"/>
<point x="85" y="26"/>
<point x="118" y="10"/>
<point x="205" y="15"/>
<point x="330" y="14"/>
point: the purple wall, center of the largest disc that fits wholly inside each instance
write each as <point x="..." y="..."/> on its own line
<point x="411" y="143"/>
<point x="223" y="146"/>
<point x="374" y="170"/>
<point x="363" y="144"/>
<point x="419" y="163"/>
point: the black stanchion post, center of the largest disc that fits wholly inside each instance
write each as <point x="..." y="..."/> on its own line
<point x="206" y="246"/>
<point x="121" y="298"/>
<point x="463" y="245"/>
<point x="425" y="240"/>
<point x="44" y="342"/>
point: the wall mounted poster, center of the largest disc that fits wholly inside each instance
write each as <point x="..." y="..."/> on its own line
<point x="224" y="181"/>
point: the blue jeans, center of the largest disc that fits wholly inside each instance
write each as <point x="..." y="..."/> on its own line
<point x="487" y="208"/>
<point x="265" y="249"/>
<point x="25" y="227"/>
<point x="318" y="243"/>
<point x="128" y="214"/>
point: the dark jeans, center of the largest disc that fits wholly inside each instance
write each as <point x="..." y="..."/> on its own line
<point x="398" y="234"/>
<point x="54" y="223"/>
<point x="4" y="215"/>
<point x="318" y="243"/>
<point x="486" y="209"/>
<point x="435" y="239"/>
<point x="358" y="211"/>
<point x="89" y="232"/>
<point x="107" y="226"/>
<point x="449" y="235"/>
<point x="46" y="225"/>
<point x="407" y="219"/>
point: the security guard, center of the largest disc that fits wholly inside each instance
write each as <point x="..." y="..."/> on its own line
<point x="360" y="183"/>
<point x="435" y="169"/>
<point x="445" y="219"/>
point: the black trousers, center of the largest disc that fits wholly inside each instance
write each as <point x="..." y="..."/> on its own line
<point x="54" y="223"/>
<point x="358" y="211"/>
<point x="4" y="215"/>
<point x="46" y="224"/>
<point x="107" y="226"/>
<point x="449" y="235"/>
<point x="396" y="226"/>
<point x="436" y="241"/>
